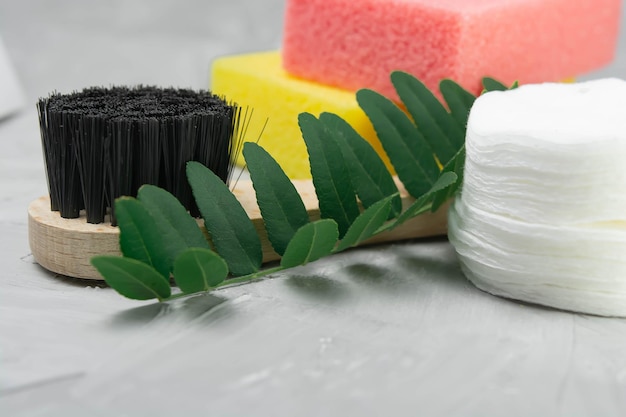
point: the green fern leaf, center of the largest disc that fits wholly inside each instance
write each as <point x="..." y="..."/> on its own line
<point x="281" y="207"/>
<point x="177" y="229"/>
<point x="367" y="224"/>
<point x="199" y="269"/>
<point x="459" y="101"/>
<point x="369" y="175"/>
<point x="230" y="228"/>
<point x="139" y="235"/>
<point x="310" y="243"/>
<point x="132" y="278"/>
<point x="455" y="166"/>
<point x="439" y="128"/>
<point x="336" y="196"/>
<point x="407" y="149"/>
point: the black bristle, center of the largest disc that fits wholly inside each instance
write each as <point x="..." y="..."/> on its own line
<point x="89" y="155"/>
<point x="103" y="143"/>
<point x="119" y="161"/>
<point x="148" y="149"/>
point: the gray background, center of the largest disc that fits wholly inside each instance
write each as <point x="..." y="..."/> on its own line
<point x="390" y="330"/>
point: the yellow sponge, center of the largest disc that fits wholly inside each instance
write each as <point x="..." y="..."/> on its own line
<point x="258" y="81"/>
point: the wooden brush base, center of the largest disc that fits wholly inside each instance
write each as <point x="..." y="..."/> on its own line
<point x="65" y="246"/>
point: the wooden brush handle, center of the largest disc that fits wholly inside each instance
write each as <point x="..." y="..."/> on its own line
<point x="65" y="246"/>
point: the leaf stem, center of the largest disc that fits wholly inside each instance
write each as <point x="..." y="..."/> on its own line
<point x="249" y="277"/>
<point x="246" y="278"/>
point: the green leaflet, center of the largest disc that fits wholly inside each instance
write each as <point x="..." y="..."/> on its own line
<point x="310" y="243"/>
<point x="369" y="175"/>
<point x="455" y="166"/>
<point x="199" y="269"/>
<point x="421" y="205"/>
<point x="367" y="224"/>
<point x="404" y="144"/>
<point x="232" y="232"/>
<point x="132" y="278"/>
<point x="177" y="228"/>
<point x="281" y="207"/>
<point x="336" y="196"/>
<point x="459" y="101"/>
<point x="438" y="127"/>
<point x="491" y="84"/>
<point x="139" y="236"/>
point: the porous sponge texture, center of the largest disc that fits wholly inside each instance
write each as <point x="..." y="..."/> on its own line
<point x="258" y="81"/>
<point x="356" y="44"/>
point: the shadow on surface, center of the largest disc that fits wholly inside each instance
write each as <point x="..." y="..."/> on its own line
<point x="402" y="269"/>
<point x="374" y="276"/>
<point x="407" y="266"/>
<point x="444" y="268"/>
<point x="139" y="316"/>
<point x="75" y="282"/>
<point x="317" y="287"/>
<point x="201" y="304"/>
<point x="191" y="308"/>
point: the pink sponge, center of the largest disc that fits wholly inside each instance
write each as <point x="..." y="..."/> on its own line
<point x="354" y="44"/>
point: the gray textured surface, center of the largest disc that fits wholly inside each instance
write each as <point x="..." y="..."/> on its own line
<point x="392" y="330"/>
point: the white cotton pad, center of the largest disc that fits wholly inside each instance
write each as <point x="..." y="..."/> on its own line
<point x="542" y="214"/>
<point x="11" y="96"/>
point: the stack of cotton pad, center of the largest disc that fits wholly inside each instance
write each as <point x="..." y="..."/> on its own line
<point x="542" y="214"/>
<point x="332" y="48"/>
